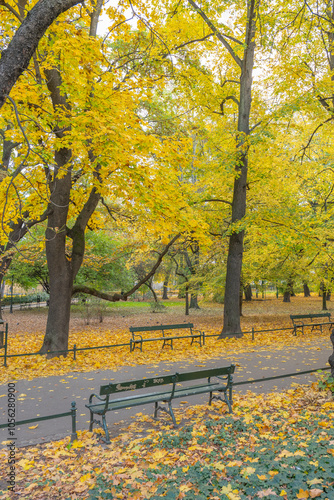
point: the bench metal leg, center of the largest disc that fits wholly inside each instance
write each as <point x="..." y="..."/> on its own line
<point x="225" y="400"/>
<point x="105" y="428"/>
<point x="168" y="410"/>
<point x="166" y="343"/>
<point x="91" y="423"/>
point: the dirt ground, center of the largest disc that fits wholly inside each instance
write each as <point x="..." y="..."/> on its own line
<point x="259" y="313"/>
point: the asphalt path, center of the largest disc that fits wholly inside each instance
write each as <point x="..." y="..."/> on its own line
<point x="52" y="395"/>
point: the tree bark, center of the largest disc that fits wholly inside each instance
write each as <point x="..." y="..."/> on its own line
<point x="165" y="290"/>
<point x="288" y="291"/>
<point x="15" y="59"/>
<point x="324" y="299"/>
<point x="248" y="292"/>
<point x="187" y="301"/>
<point x="306" y="290"/>
<point x="165" y="284"/>
<point x="194" y="301"/>
<point x="235" y="251"/>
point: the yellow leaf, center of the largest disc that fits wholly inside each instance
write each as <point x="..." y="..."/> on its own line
<point x="283" y="493"/>
<point x="85" y="477"/>
<point x="263" y="477"/>
<point x="33" y="427"/>
<point x="303" y="494"/>
<point x="315" y="481"/>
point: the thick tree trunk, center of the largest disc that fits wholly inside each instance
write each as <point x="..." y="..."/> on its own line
<point x="288" y="291"/>
<point x="248" y="292"/>
<point x="235" y="251"/>
<point x="165" y="291"/>
<point x="57" y="327"/>
<point x="306" y="290"/>
<point x="194" y="301"/>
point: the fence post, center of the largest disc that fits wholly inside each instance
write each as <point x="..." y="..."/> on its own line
<point x="75" y="352"/>
<point x="6" y="342"/>
<point x="74" y="435"/>
<point x="252" y="332"/>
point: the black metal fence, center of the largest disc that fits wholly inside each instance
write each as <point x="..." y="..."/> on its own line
<point x="71" y="413"/>
<point x="76" y="349"/>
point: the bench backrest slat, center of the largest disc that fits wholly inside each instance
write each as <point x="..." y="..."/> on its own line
<point x="202" y="374"/>
<point x="132" y="385"/>
<point x="159" y="327"/>
<point x="318" y="315"/>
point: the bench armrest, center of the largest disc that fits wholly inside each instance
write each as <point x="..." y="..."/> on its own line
<point x="96" y="396"/>
<point x="195" y="330"/>
<point x="139" y="337"/>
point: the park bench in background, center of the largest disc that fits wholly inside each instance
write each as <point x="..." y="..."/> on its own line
<point x="167" y="339"/>
<point x="310" y="320"/>
<point x="167" y="388"/>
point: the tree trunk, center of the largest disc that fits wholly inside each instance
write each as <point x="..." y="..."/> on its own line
<point x="235" y="251"/>
<point x="150" y="286"/>
<point x="194" y="301"/>
<point x="187" y="301"/>
<point x="288" y="291"/>
<point x="165" y="285"/>
<point x="248" y="292"/>
<point x="165" y="291"/>
<point x="306" y="290"/>
<point x="324" y="298"/>
<point x="61" y="274"/>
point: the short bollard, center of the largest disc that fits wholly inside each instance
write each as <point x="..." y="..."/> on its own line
<point x="74" y="435"/>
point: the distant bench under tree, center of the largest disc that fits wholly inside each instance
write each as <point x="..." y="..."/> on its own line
<point x="137" y="339"/>
<point x="311" y="320"/>
<point x="179" y="385"/>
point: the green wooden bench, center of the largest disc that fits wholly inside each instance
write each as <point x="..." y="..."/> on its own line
<point x="299" y="324"/>
<point x="166" y="389"/>
<point x="137" y="338"/>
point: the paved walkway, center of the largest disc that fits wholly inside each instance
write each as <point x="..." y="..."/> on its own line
<point x="46" y="396"/>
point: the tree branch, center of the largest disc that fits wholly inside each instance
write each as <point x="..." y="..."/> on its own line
<point x="15" y="59"/>
<point x="220" y="36"/>
<point x="115" y="297"/>
<point x="154" y="268"/>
